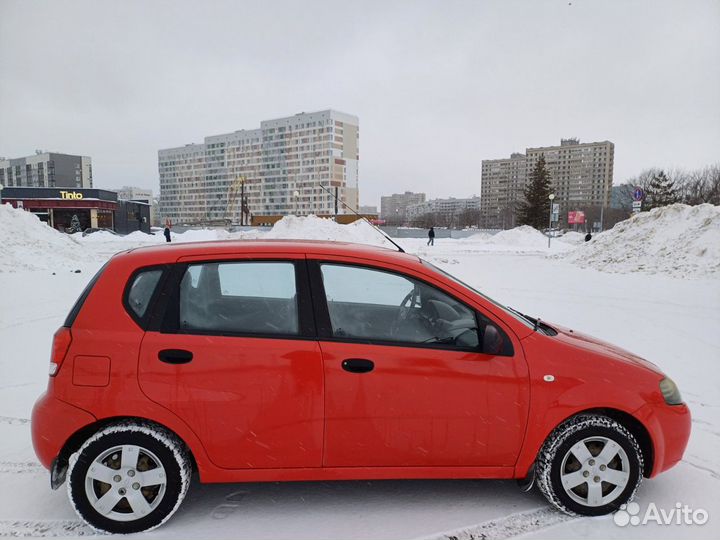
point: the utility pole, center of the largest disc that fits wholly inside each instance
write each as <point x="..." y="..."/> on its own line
<point x="551" y="197"/>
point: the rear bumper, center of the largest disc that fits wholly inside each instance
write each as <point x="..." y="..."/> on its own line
<point x="669" y="427"/>
<point x="53" y="423"/>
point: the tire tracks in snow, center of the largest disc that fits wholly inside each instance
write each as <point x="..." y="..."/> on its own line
<point x="507" y="527"/>
<point x="13" y="421"/>
<point x="14" y="467"/>
<point x="44" y="528"/>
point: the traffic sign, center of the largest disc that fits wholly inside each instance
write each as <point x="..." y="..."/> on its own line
<point x="637" y="206"/>
<point x="638" y="194"/>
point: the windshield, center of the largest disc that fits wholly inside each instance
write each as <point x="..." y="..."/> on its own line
<point x="527" y="321"/>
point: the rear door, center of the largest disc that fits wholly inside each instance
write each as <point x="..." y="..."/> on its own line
<point x="237" y="360"/>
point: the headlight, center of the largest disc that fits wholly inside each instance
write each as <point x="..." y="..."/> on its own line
<point x="670" y="392"/>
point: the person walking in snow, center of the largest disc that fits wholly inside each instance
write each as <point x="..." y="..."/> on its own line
<point x="431" y="237"/>
<point x="588" y="237"/>
<point x="166" y="232"/>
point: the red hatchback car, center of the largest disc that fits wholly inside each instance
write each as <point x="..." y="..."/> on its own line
<point x="294" y="360"/>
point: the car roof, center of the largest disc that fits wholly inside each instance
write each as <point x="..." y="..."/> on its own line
<point x="165" y="253"/>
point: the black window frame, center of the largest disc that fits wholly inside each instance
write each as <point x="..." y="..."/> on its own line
<point x="167" y="319"/>
<point x="324" y="324"/>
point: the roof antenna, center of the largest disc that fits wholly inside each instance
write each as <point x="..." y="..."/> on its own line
<point x="378" y="229"/>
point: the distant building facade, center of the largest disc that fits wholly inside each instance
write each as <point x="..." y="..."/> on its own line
<point x="78" y="209"/>
<point x="446" y="211"/>
<point x="581" y="173"/>
<point x="292" y="165"/>
<point x="368" y="210"/>
<point x="393" y="208"/>
<point x="47" y="169"/>
<point x="133" y="193"/>
<point x="502" y="181"/>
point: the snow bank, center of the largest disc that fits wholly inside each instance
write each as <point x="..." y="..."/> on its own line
<point x="315" y="228"/>
<point x="678" y="240"/>
<point x="572" y="237"/>
<point x="26" y="243"/>
<point x="522" y="237"/>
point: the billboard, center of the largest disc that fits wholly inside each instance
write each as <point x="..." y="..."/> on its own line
<point x="576" y="217"/>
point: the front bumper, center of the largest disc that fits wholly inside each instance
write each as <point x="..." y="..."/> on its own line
<point x="669" y="427"/>
<point x="53" y="423"/>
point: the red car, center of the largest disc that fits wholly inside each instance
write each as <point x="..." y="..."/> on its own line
<point x="293" y="360"/>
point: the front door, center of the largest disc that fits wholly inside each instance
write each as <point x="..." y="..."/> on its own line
<point x="407" y="382"/>
<point x="239" y="365"/>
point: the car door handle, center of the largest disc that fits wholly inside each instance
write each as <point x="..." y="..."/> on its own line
<point x="175" y="356"/>
<point x="358" y="365"/>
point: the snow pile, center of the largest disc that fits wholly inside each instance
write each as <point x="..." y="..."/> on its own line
<point x="315" y="228"/>
<point x="26" y="243"/>
<point x="477" y="237"/>
<point x="572" y="237"/>
<point x="678" y="240"/>
<point x="520" y="237"/>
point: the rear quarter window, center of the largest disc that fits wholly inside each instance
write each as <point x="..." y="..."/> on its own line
<point x="140" y="292"/>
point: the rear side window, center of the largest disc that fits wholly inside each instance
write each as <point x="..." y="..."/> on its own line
<point x="239" y="298"/>
<point x="141" y="291"/>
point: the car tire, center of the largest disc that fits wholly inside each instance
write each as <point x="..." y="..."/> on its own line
<point x="129" y="477"/>
<point x="590" y="465"/>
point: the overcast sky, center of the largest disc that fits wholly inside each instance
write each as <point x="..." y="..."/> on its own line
<point x="438" y="86"/>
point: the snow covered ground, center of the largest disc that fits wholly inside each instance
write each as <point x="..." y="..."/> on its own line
<point x="671" y="319"/>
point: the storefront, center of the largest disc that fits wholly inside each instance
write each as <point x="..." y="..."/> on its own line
<point x="74" y="210"/>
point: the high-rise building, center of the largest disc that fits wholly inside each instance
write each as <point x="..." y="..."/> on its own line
<point x="393" y="208"/>
<point x="292" y="165"/>
<point x="581" y="175"/>
<point x="47" y="169"/>
<point x="502" y="183"/>
<point x="446" y="211"/>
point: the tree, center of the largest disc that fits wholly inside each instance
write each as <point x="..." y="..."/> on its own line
<point x="661" y="191"/>
<point x="535" y="209"/>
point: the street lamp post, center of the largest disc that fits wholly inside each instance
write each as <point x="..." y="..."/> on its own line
<point x="551" y="197"/>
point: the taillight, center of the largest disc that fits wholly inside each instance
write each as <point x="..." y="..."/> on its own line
<point x="60" y="346"/>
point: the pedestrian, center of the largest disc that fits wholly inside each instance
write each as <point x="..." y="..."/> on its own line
<point x="166" y="232"/>
<point x="588" y="237"/>
<point x="431" y="237"/>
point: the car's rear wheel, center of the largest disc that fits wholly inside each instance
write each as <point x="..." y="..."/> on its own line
<point x="590" y="465"/>
<point x="129" y="478"/>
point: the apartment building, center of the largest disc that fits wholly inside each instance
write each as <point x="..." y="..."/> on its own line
<point x="581" y="173"/>
<point x="47" y="169"/>
<point x="292" y="165"/>
<point x="503" y="181"/>
<point x="446" y="211"/>
<point x="393" y="208"/>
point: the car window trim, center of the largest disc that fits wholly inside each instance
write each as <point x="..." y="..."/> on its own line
<point x="324" y="324"/>
<point x="169" y="319"/>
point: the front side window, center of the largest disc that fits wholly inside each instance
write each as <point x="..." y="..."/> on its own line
<point x="365" y="303"/>
<point x="239" y="298"/>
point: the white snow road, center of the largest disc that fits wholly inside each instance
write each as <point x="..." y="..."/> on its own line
<point x="673" y="322"/>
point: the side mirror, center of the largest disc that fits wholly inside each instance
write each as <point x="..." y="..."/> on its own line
<point x="492" y="342"/>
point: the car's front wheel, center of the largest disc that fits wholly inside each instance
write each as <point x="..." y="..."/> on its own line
<point x="590" y="465"/>
<point x="128" y="478"/>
